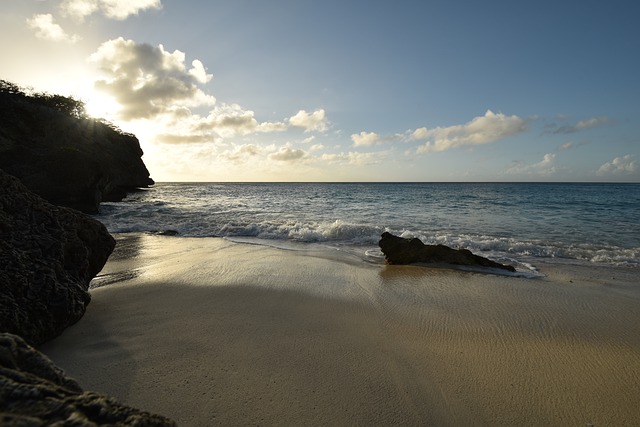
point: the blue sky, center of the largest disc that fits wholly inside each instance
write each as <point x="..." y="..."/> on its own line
<point x="252" y="90"/>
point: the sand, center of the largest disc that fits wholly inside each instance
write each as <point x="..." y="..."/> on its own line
<point x="211" y="332"/>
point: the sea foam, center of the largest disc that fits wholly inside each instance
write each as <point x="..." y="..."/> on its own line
<point x="579" y="222"/>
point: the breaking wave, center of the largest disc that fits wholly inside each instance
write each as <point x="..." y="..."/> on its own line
<point x="356" y="215"/>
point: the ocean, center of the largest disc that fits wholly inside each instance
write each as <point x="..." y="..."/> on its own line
<point x="518" y="223"/>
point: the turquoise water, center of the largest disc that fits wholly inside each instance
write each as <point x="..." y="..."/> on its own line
<point x="506" y="221"/>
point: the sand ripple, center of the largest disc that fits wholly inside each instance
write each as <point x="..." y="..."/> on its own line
<point x="213" y="332"/>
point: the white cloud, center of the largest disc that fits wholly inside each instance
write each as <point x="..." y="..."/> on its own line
<point x="241" y="153"/>
<point x="618" y="166"/>
<point x="481" y="130"/>
<point x="183" y="138"/>
<point x="115" y="9"/>
<point x="420" y="134"/>
<point x="355" y="158"/>
<point x="365" y="139"/>
<point x="287" y="154"/>
<point x="544" y="167"/>
<point x="584" y="125"/>
<point x="147" y="80"/>
<point x="79" y="8"/>
<point x="592" y="123"/>
<point x="224" y="121"/>
<point x="309" y="139"/>
<point x="46" y="29"/>
<point x="199" y="73"/>
<point x="230" y="120"/>
<point x="572" y="145"/>
<point x="316" y="147"/>
<point x="310" y="122"/>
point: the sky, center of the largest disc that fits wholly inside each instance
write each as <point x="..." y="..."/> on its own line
<point x="348" y="90"/>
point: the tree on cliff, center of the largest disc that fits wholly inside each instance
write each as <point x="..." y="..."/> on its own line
<point x="64" y="104"/>
<point x="61" y="154"/>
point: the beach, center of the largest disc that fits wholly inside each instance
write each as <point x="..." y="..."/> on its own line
<point x="213" y="332"/>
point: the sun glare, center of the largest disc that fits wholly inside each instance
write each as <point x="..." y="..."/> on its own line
<point x="101" y="106"/>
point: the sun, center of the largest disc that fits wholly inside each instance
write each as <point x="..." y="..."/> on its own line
<point x="101" y="106"/>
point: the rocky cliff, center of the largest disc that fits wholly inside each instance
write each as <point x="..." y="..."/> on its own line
<point x="60" y="154"/>
<point x="48" y="256"/>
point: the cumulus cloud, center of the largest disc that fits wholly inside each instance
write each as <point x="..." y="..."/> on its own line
<point x="619" y="166"/>
<point x="114" y="9"/>
<point x="287" y="154"/>
<point x="224" y="121"/>
<point x="583" y="125"/>
<point x="79" y="8"/>
<point x="310" y="122"/>
<point x="199" y="73"/>
<point x="230" y="120"/>
<point x="365" y="139"/>
<point x="147" y="80"/>
<point x="481" y="130"/>
<point x="45" y="28"/>
<point x="544" y="167"/>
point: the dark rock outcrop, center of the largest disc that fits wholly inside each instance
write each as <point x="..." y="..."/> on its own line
<point x="65" y="157"/>
<point x="398" y="250"/>
<point x="48" y="256"/>
<point x="35" y="392"/>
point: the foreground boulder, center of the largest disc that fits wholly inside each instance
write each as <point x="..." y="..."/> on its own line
<point x="35" y="392"/>
<point x="48" y="256"/>
<point x="64" y="156"/>
<point x="398" y="250"/>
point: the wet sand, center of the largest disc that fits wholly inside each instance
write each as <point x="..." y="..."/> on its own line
<point x="208" y="331"/>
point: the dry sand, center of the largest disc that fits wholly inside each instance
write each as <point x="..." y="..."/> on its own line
<point x="211" y="332"/>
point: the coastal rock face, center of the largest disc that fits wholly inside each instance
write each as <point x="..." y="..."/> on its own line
<point x="398" y="250"/>
<point x="70" y="160"/>
<point x="35" y="392"/>
<point x="48" y="256"/>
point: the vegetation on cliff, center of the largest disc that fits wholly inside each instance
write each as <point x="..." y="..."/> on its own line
<point x="61" y="154"/>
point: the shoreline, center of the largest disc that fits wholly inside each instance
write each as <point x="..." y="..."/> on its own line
<point x="211" y="331"/>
